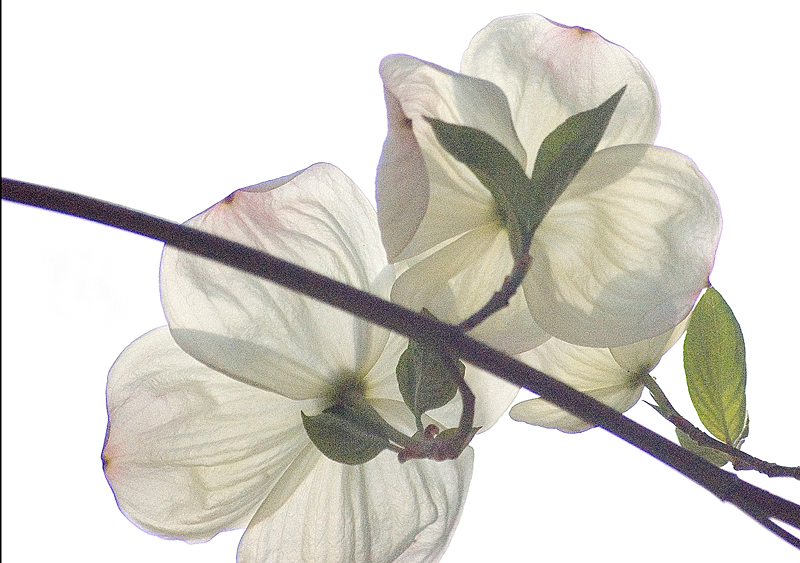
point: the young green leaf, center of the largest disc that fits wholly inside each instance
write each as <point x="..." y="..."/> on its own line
<point x="565" y="150"/>
<point x="709" y="454"/>
<point x="495" y="167"/>
<point x="424" y="378"/>
<point x="345" y="435"/>
<point x="714" y="361"/>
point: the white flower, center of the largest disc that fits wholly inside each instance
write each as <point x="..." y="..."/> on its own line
<point x="205" y="431"/>
<point x="623" y="253"/>
<point x="612" y="376"/>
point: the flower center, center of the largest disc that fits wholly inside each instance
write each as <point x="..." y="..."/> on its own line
<point x="348" y="391"/>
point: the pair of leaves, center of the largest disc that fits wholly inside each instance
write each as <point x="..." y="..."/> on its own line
<point x="522" y="202"/>
<point x="716" y="373"/>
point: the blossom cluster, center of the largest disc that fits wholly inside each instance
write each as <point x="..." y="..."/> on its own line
<point x="209" y="417"/>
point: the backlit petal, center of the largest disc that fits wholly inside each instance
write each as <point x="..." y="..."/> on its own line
<point x="541" y="413"/>
<point x="492" y="398"/>
<point x="626" y="249"/>
<point x="549" y="72"/>
<point x="381" y="381"/>
<point x="261" y="333"/>
<point x="591" y="370"/>
<point x="416" y="176"/>
<point x="643" y="357"/>
<point x="580" y="367"/>
<point x="190" y="452"/>
<point x="459" y="279"/>
<point x="381" y="512"/>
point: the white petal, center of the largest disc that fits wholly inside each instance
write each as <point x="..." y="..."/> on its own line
<point x="416" y="176"/>
<point x="402" y="187"/>
<point x="380" y="512"/>
<point x="541" y="413"/>
<point x="492" y="398"/>
<point x="261" y="333"/>
<point x="190" y="452"/>
<point x="381" y="381"/>
<point x="459" y="279"/>
<point x="580" y="367"/>
<point x="626" y="249"/>
<point x="550" y="72"/>
<point x="591" y="370"/>
<point x="643" y="357"/>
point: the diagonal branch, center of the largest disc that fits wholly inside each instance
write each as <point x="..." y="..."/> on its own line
<point x="761" y="505"/>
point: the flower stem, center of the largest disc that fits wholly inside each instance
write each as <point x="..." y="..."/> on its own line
<point x="502" y="297"/>
<point x="467" y="402"/>
<point x="430" y="443"/>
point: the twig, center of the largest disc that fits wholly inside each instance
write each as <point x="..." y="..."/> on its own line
<point x="449" y="444"/>
<point x="501" y="298"/>
<point x="740" y="460"/>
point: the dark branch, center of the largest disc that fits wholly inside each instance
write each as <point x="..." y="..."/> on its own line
<point x="761" y="505"/>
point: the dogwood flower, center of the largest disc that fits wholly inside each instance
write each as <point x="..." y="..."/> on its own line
<point x="206" y="429"/>
<point x="625" y="249"/>
<point x="612" y="376"/>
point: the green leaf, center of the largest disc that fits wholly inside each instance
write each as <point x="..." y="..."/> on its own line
<point x="523" y="202"/>
<point x="346" y="434"/>
<point x="709" y="454"/>
<point x="564" y="152"/>
<point x="714" y="361"/>
<point x="495" y="167"/>
<point x="424" y="377"/>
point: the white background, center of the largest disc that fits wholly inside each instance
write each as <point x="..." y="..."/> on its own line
<point x="168" y="107"/>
